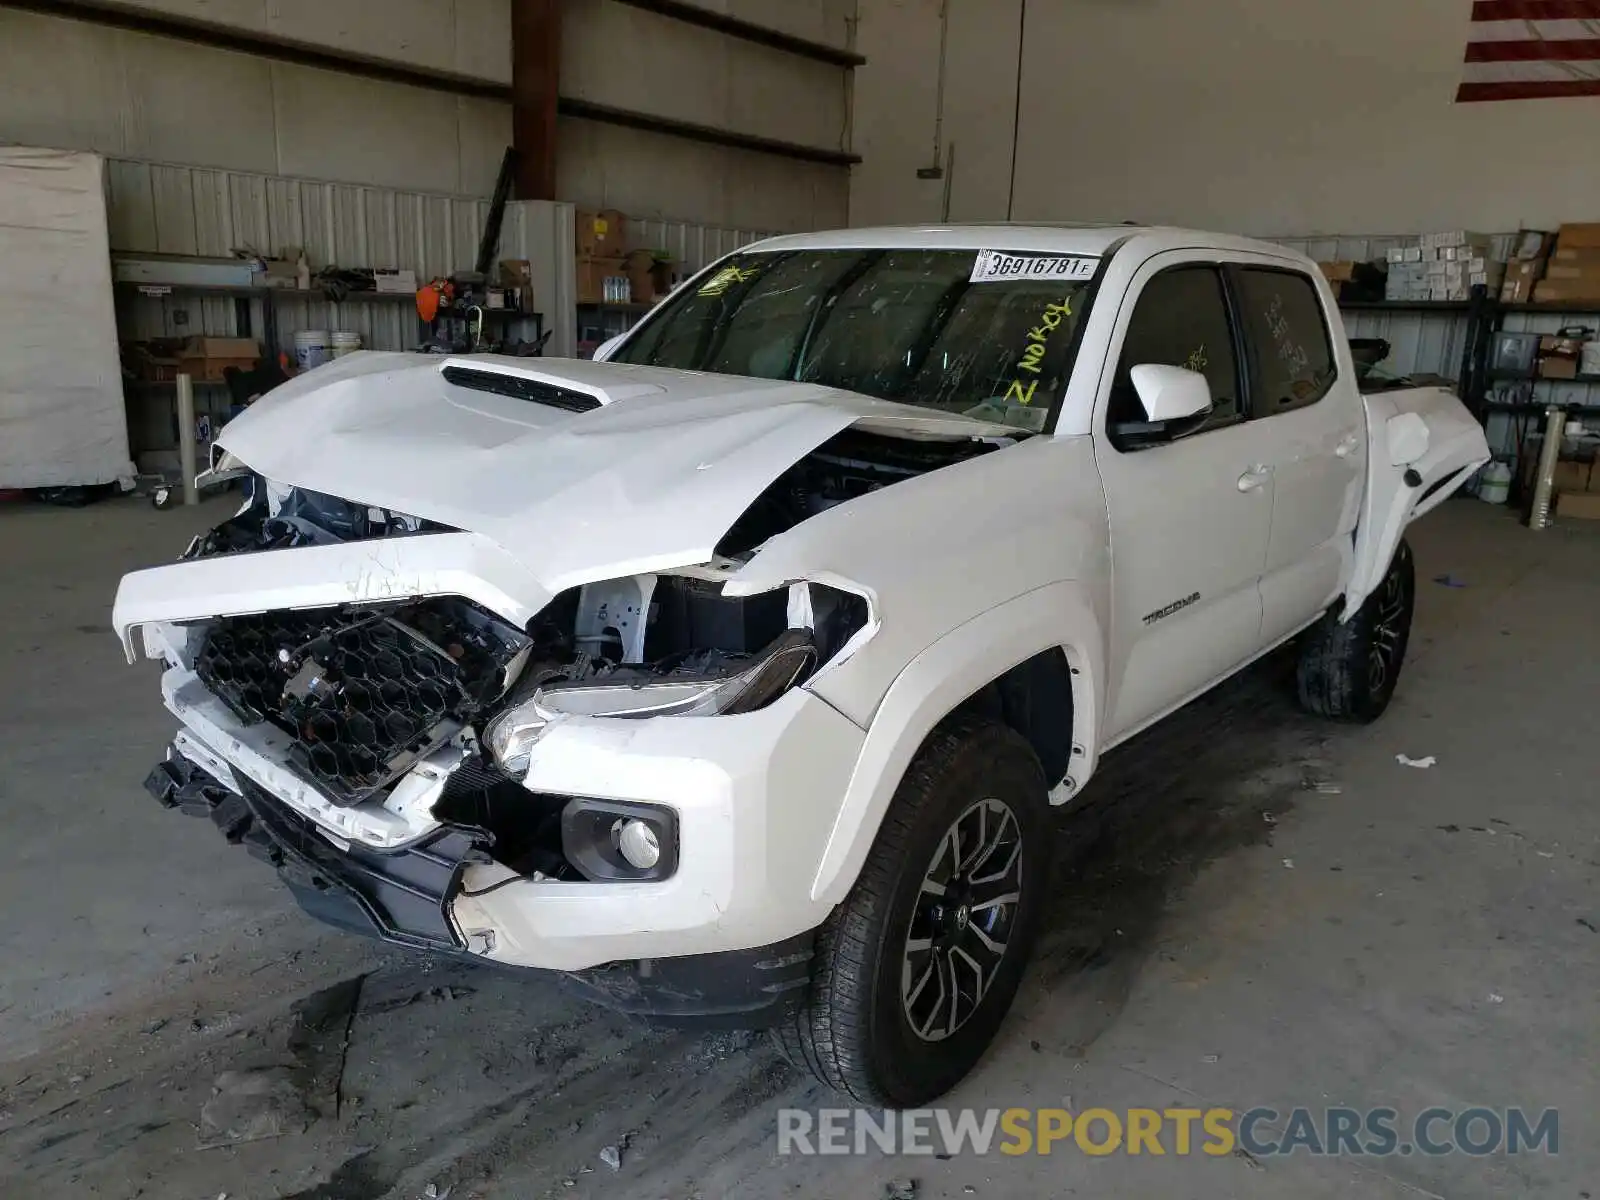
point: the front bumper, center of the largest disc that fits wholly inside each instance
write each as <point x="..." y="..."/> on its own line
<point x="403" y="897"/>
<point x="755" y="796"/>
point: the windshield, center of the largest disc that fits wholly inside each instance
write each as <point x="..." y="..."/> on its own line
<point x="978" y="332"/>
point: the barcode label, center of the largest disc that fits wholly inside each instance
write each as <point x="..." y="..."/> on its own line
<point x="997" y="266"/>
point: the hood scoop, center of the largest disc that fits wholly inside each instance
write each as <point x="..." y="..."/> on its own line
<point x="521" y="387"/>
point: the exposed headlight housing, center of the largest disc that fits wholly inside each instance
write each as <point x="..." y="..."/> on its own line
<point x="740" y="685"/>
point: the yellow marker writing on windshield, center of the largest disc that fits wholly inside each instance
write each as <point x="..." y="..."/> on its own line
<point x="726" y="278"/>
<point x="1033" y="352"/>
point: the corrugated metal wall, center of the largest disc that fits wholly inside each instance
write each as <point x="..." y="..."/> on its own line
<point x="691" y="246"/>
<point x="160" y="209"/>
<point x="188" y="210"/>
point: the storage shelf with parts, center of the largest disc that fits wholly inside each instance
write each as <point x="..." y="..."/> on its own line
<point x="628" y="306"/>
<point x="1460" y="306"/>
<point x="1424" y="306"/>
<point x="160" y="290"/>
<point x="1514" y="377"/>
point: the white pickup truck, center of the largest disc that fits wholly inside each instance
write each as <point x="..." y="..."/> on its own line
<point x="734" y="677"/>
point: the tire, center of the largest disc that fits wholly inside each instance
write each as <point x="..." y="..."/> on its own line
<point x="872" y="978"/>
<point x="1348" y="669"/>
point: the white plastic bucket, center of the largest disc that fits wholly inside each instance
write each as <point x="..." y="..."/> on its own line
<point x="1494" y="485"/>
<point x="311" y="348"/>
<point x="344" y="343"/>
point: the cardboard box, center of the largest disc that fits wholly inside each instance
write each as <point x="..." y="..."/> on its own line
<point x="516" y="273"/>
<point x="1338" y="272"/>
<point x="396" y="283"/>
<point x="1455" y="237"/>
<point x="207" y="358"/>
<point x="1570" y="237"/>
<point x="1571" y="476"/>
<point x="1581" y="256"/>
<point x="592" y="275"/>
<point x="1571" y="291"/>
<point x="1568" y="271"/>
<point x="1521" y="276"/>
<point x="602" y="234"/>
<point x="1532" y="244"/>
<point x="278" y="273"/>
<point x="1517" y="291"/>
<point x="1585" y="506"/>
<point x="1558" y="368"/>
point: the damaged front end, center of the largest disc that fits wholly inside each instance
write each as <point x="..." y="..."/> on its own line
<point x="376" y="751"/>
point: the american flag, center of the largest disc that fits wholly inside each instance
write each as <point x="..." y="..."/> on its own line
<point x="1532" y="50"/>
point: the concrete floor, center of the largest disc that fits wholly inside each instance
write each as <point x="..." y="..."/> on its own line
<point x="1254" y="909"/>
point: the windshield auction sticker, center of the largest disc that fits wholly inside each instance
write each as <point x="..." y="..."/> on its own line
<point x="997" y="266"/>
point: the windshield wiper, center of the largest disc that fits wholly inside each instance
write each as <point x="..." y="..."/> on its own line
<point x="830" y="299"/>
<point x="934" y="330"/>
<point x="716" y="334"/>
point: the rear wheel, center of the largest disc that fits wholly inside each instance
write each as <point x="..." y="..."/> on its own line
<point x="1348" y="669"/>
<point x="918" y="966"/>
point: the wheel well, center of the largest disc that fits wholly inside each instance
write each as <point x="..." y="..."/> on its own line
<point x="1035" y="699"/>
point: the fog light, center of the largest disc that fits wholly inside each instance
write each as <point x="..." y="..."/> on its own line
<point x="619" y="840"/>
<point x="638" y="844"/>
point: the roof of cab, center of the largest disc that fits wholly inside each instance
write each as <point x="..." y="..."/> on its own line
<point x="1045" y="239"/>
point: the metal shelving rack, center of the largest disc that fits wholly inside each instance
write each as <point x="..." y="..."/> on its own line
<point x="1485" y="317"/>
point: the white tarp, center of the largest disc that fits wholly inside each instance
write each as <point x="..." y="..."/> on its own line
<point x="62" y="419"/>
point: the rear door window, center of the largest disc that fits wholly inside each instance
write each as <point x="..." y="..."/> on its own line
<point x="1291" y="356"/>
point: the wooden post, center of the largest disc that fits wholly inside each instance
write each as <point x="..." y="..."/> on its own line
<point x="535" y="80"/>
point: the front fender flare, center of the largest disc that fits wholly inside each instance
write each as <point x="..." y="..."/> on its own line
<point x="935" y="683"/>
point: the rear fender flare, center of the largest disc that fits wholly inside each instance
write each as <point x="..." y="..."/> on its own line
<point x="937" y="681"/>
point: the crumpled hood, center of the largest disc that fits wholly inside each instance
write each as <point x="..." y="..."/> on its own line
<point x="650" y="479"/>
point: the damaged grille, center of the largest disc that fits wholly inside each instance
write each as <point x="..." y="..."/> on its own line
<point x="363" y="693"/>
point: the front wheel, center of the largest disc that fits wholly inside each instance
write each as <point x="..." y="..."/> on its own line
<point x="1348" y="669"/>
<point x="918" y="966"/>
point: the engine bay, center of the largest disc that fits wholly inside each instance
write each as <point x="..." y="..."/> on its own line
<point x="849" y="464"/>
<point x="282" y="518"/>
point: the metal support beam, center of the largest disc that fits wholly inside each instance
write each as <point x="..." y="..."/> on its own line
<point x="535" y="93"/>
<point x="762" y="35"/>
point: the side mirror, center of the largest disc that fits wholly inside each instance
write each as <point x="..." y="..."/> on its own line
<point x="1171" y="393"/>
<point x="1408" y="439"/>
<point x="603" y="350"/>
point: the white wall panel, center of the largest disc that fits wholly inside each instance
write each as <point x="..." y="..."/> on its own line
<point x="81" y="86"/>
<point x="825" y="21"/>
<point x="1261" y="116"/>
<point x="465" y="37"/>
<point x="333" y="126"/>
<point x="632" y="59"/>
<point x="137" y="96"/>
<point x="648" y="175"/>
<point x="61" y="84"/>
<point x="191" y="103"/>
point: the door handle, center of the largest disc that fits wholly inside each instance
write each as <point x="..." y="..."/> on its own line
<point x="1254" y="477"/>
<point x="1346" y="445"/>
